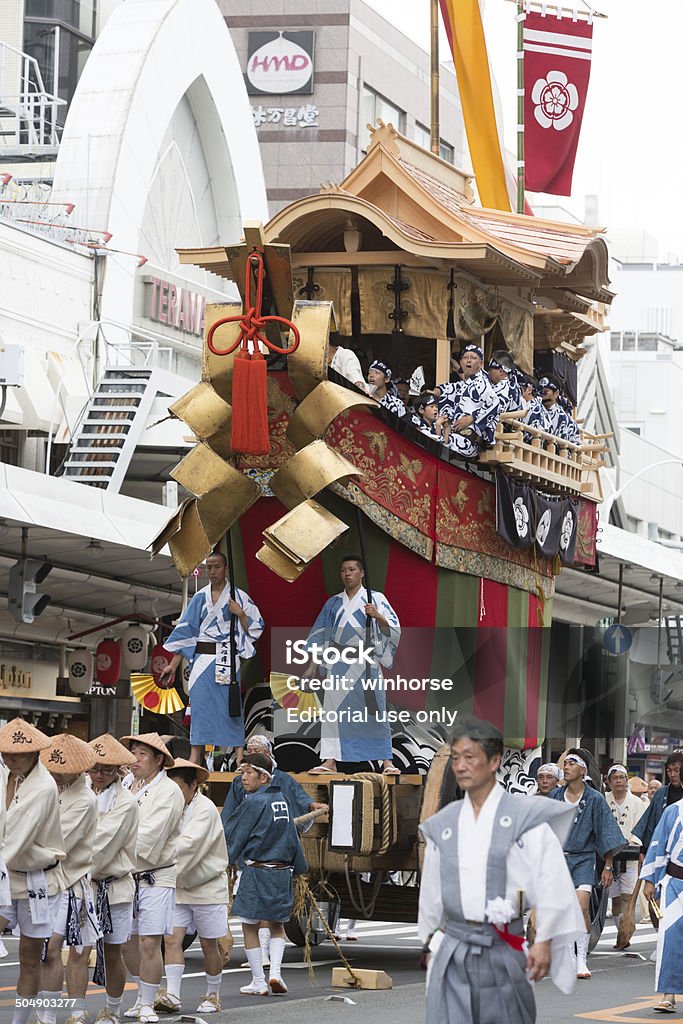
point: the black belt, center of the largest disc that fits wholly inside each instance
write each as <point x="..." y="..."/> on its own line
<point x="50" y="867"/>
<point x="270" y="864"/>
<point x="205" y="647"/>
<point x="674" y="870"/>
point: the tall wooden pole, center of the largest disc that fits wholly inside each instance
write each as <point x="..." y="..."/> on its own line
<point x="520" y="106"/>
<point x="435" y="127"/>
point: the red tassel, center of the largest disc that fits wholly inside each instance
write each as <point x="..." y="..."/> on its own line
<point x="250" y="405"/>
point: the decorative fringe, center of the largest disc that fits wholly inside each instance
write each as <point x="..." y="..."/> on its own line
<point x="250" y="404"/>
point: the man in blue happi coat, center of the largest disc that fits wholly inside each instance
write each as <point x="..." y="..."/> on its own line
<point x="354" y="724"/>
<point x="503" y="376"/>
<point x="203" y="636"/>
<point x="663" y="868"/>
<point x="663" y="798"/>
<point x="262" y="839"/>
<point x="560" y="422"/>
<point x="594" y="832"/>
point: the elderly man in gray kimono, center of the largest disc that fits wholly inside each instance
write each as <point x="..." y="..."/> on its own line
<point x="488" y="858"/>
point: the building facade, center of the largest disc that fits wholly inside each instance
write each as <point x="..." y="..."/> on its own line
<point x="318" y="77"/>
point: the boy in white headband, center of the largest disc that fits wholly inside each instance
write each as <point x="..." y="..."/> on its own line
<point x="594" y="831"/>
<point x="627" y="809"/>
<point x="263" y="841"/>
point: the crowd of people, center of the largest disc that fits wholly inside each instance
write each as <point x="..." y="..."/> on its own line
<point x="112" y="846"/>
<point x="494" y="856"/>
<point x="463" y="412"/>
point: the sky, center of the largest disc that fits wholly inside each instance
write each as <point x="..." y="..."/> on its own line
<point x="631" y="148"/>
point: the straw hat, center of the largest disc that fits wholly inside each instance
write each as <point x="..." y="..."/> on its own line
<point x="67" y="755"/>
<point x="637" y="785"/>
<point x="18" y="737"/>
<point x="153" y="740"/>
<point x="201" y="772"/>
<point x="109" y="751"/>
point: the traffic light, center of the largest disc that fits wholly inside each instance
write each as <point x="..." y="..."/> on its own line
<point x="25" y="576"/>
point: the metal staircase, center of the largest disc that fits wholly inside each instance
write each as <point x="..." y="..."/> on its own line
<point x="674" y="638"/>
<point x="111" y="427"/>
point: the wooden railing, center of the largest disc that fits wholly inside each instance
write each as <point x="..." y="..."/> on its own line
<point x="545" y="460"/>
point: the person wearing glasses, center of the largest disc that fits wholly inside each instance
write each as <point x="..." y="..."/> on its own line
<point x="113" y="866"/>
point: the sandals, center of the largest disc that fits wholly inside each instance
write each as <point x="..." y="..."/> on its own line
<point x="391" y="771"/>
<point x="320" y="770"/>
<point x="665" y="1006"/>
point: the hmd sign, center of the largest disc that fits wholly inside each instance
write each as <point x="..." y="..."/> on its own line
<point x="280" y="63"/>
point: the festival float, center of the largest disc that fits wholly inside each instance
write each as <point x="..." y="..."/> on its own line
<point x="293" y="466"/>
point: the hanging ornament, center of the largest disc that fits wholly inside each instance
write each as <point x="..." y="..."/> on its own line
<point x="152" y="697"/>
<point x="80" y="666"/>
<point x="108" y="662"/>
<point x="134" y="644"/>
<point x="160" y="659"/>
<point x="185" y="670"/>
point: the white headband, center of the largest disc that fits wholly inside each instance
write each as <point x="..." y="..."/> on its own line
<point x="550" y="769"/>
<point x="576" y="760"/>
<point x="617" y="768"/>
<point x="257" y="768"/>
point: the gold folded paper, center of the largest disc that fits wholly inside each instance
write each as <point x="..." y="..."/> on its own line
<point x="320" y="408"/>
<point x="218" y="369"/>
<point x="298" y="537"/>
<point x="202" y="471"/>
<point x="309" y="471"/>
<point x="203" y="410"/>
<point x="308" y="365"/>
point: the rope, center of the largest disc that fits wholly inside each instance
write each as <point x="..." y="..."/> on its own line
<point x="363" y="909"/>
<point x="384" y="808"/>
<point x="252" y="322"/>
<point x="304" y="819"/>
<point x="313" y="906"/>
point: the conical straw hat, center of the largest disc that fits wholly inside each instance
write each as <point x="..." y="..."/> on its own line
<point x="201" y="772"/>
<point x="18" y="737"/>
<point x="153" y="740"/>
<point x="67" y="755"/>
<point x="108" y="751"/>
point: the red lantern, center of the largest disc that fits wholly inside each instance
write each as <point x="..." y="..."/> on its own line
<point x="160" y="659"/>
<point x="108" y="662"/>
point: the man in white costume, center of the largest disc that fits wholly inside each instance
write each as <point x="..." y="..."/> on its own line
<point x="201" y="890"/>
<point x="33" y="850"/>
<point x="161" y="807"/>
<point x="68" y="759"/>
<point x="113" y="866"/>
<point x="627" y="809"/>
<point x="488" y="858"/>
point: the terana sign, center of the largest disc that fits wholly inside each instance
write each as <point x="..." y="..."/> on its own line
<point x="280" y="63"/>
<point x="168" y="303"/>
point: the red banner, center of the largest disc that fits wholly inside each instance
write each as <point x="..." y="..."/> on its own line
<point x="557" y="67"/>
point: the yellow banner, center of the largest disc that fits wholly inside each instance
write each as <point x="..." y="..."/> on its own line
<point x="465" y="31"/>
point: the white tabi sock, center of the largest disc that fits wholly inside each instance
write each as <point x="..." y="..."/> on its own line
<point x="256" y="963"/>
<point x="264" y="942"/>
<point x="213" y="984"/>
<point x="48" y="1014"/>
<point x="277" y="949"/>
<point x="148" y="992"/>
<point x="114" y="1005"/>
<point x="582" y="951"/>
<point x="77" y="1008"/>
<point x="174" y="979"/>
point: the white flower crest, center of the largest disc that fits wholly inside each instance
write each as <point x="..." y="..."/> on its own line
<point x="499" y="911"/>
<point x="567" y="530"/>
<point x="556" y="98"/>
<point x="521" y="514"/>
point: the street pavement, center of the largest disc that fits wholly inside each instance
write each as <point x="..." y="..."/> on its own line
<point x="621" y="989"/>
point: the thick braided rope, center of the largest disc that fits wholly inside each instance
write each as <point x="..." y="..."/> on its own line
<point x="385" y="808"/>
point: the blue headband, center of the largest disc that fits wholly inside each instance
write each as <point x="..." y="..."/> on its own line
<point x="495" y="365"/>
<point x="473" y="348"/>
<point x="546" y="382"/>
<point x="382" y="367"/>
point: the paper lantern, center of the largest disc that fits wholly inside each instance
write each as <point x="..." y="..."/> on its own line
<point x="152" y="697"/>
<point x="134" y="643"/>
<point x="80" y="665"/>
<point x="108" y="662"/>
<point x="160" y="659"/>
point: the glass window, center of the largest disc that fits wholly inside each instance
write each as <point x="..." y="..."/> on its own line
<point x="374" y="106"/>
<point x="629" y="342"/>
<point x="423" y="137"/>
<point x="446" y="152"/>
<point x="40" y="41"/>
<point x="647" y="343"/>
<point x="615" y="342"/>
<point x="79" y="14"/>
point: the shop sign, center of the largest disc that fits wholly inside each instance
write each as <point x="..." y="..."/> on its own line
<point x="280" y="63"/>
<point x="168" y="303"/>
<point x="657" y="748"/>
<point x="307" y="116"/>
<point x="14" y="678"/>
